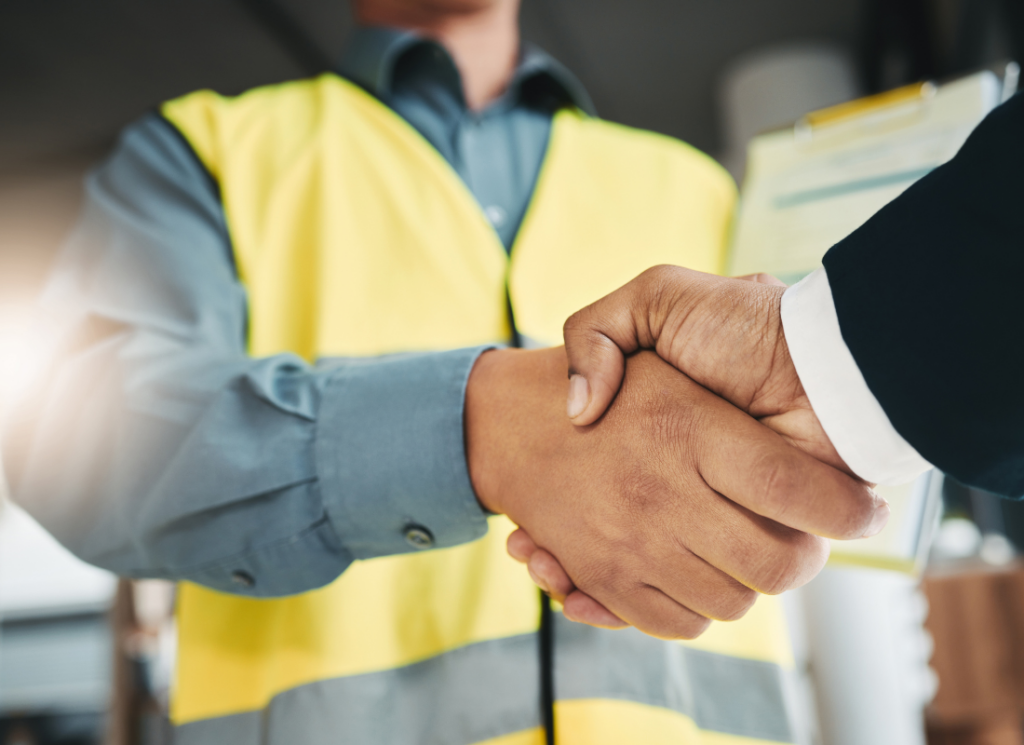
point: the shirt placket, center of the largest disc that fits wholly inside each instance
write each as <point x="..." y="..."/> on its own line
<point x="484" y="153"/>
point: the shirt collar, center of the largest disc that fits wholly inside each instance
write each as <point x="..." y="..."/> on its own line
<point x="537" y="65"/>
<point x="372" y="54"/>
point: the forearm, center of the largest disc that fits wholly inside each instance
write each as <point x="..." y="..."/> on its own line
<point x="927" y="297"/>
<point x="160" y="448"/>
<point x="140" y="466"/>
<point x="850" y="415"/>
<point x="199" y="466"/>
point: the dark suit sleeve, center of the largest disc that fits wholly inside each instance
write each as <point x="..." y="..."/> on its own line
<point x="930" y="298"/>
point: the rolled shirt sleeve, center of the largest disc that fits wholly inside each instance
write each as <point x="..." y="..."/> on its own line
<point x="390" y="453"/>
<point x="156" y="447"/>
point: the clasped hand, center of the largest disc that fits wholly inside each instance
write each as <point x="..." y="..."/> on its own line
<point x="672" y="508"/>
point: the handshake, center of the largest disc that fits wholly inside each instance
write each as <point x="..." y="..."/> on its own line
<point x="684" y="480"/>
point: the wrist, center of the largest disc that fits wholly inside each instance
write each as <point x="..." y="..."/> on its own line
<point x="780" y="385"/>
<point x="482" y="398"/>
<point x="514" y="405"/>
<point x="744" y="357"/>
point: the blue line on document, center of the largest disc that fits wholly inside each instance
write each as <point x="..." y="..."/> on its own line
<point x="799" y="198"/>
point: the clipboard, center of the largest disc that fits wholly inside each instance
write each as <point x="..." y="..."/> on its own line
<point x="810" y="185"/>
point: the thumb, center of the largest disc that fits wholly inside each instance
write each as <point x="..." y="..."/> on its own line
<point x="596" y="367"/>
<point x="597" y="339"/>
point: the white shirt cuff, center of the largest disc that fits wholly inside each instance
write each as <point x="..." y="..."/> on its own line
<point x="849" y="413"/>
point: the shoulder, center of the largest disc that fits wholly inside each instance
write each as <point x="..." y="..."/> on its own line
<point x="150" y="158"/>
<point x="212" y="122"/>
<point x="263" y="99"/>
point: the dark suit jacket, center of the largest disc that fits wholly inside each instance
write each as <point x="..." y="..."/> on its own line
<point x="930" y="298"/>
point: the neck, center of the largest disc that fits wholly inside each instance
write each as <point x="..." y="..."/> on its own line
<point x="484" y="41"/>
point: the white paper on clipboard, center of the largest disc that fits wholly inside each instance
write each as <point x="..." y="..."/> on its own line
<point x="809" y="186"/>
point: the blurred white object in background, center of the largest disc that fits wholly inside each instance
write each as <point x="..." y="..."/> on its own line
<point x="869" y="654"/>
<point x="802" y="698"/>
<point x="38" y="576"/>
<point x="957" y="538"/>
<point x="55" y="642"/>
<point x="997" y="550"/>
<point x="773" y="87"/>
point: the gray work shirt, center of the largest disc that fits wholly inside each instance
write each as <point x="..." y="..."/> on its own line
<point x="161" y="449"/>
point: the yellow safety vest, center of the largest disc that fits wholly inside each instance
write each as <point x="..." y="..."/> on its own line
<point x="354" y="237"/>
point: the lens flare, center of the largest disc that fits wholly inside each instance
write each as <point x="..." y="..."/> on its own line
<point x="27" y="341"/>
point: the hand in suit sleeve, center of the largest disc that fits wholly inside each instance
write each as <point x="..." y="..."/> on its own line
<point x="905" y="350"/>
<point x="906" y="346"/>
<point x="928" y="297"/>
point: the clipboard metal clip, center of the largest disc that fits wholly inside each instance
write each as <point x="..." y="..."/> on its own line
<point x="878" y="105"/>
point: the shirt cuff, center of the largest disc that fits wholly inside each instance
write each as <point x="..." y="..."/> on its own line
<point x="849" y="413"/>
<point x="391" y="455"/>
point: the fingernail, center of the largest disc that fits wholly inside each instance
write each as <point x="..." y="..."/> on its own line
<point x="538" y="581"/>
<point x="579" y="396"/>
<point x="878" y="521"/>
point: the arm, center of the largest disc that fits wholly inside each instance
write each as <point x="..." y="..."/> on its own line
<point x="179" y="456"/>
<point x="912" y="351"/>
<point x="159" y="448"/>
<point x="674" y="509"/>
<point x="927" y="295"/>
<point x="906" y="343"/>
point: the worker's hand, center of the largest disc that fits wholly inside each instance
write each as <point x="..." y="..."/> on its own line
<point x="549" y="576"/>
<point x="672" y="510"/>
<point x="724" y="333"/>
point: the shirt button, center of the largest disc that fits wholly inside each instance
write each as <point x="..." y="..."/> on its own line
<point x="243" y="579"/>
<point x="418" y="537"/>
<point x="496" y="215"/>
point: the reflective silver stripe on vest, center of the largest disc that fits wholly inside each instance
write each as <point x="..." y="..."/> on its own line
<point x="720" y="693"/>
<point x="490" y="689"/>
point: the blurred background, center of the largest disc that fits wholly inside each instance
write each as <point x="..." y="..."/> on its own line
<point x="85" y="659"/>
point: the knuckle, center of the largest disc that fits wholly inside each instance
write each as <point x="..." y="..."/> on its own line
<point x="574" y="323"/>
<point x="736" y="606"/>
<point x="672" y="425"/>
<point x="607" y="580"/>
<point x="793" y="563"/>
<point x="689" y="628"/>
<point x="780" y="482"/>
<point x="857" y="516"/>
<point x="660" y="274"/>
<point x="547" y="568"/>
<point x="815" y="552"/>
<point x="655" y="273"/>
<point x="778" y="573"/>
